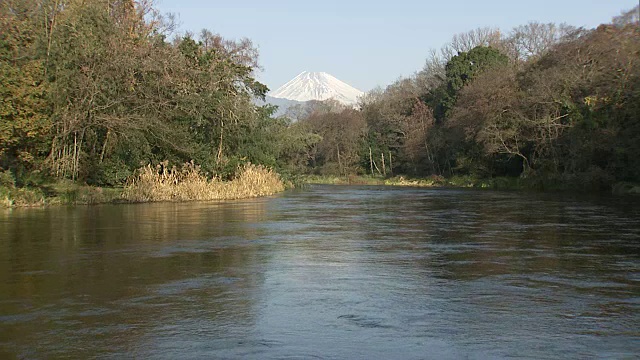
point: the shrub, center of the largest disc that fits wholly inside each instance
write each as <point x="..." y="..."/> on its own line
<point x="7" y="180"/>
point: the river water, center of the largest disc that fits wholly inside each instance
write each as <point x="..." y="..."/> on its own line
<point x="326" y="273"/>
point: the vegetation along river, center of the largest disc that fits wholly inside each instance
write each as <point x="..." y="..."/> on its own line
<point x="328" y="273"/>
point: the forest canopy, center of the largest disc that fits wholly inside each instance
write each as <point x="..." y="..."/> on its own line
<point x="549" y="103"/>
<point x="94" y="89"/>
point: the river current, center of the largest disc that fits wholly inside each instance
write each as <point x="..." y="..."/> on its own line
<point x="328" y="273"/>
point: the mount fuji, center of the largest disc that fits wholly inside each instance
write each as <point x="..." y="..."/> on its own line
<point x="317" y="86"/>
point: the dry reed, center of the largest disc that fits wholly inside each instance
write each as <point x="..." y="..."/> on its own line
<point x="188" y="183"/>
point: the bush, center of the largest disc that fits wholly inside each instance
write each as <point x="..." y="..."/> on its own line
<point x="21" y="197"/>
<point x="111" y="172"/>
<point x="10" y="195"/>
<point x="7" y="180"/>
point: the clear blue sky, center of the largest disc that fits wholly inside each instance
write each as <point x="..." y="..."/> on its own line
<point x="368" y="43"/>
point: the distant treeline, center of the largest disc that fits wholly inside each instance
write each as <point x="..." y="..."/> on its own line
<point x="554" y="104"/>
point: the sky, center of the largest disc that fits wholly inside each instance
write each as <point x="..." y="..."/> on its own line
<point x="368" y="43"/>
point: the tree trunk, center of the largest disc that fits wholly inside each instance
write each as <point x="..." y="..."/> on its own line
<point x="371" y="160"/>
<point x="339" y="162"/>
<point x="73" y="160"/>
<point x="49" y="29"/>
<point x="219" y="158"/>
<point x="104" y="146"/>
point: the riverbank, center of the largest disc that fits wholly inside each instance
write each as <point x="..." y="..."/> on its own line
<point x="60" y="193"/>
<point x="498" y="183"/>
<point x="149" y="185"/>
<point x="432" y="181"/>
<point x="253" y="181"/>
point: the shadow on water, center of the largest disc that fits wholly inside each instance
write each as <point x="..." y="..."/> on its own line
<point x="330" y="272"/>
<point x="120" y="271"/>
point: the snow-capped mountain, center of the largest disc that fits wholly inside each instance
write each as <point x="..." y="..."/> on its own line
<point x="317" y="86"/>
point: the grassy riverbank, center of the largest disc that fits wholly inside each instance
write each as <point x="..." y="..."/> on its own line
<point x="498" y="183"/>
<point x="60" y="193"/>
<point x="187" y="183"/>
<point x="432" y="181"/>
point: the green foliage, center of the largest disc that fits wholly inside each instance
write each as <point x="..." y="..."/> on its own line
<point x="24" y="112"/>
<point x="92" y="90"/>
<point x="21" y="197"/>
<point x="563" y="118"/>
<point x="334" y="143"/>
<point x="7" y="180"/>
<point x="460" y="71"/>
<point x="90" y="95"/>
<point x="464" y="67"/>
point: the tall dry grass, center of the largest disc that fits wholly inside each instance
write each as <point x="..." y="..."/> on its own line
<point x="188" y="183"/>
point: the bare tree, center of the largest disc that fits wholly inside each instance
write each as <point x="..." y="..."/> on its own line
<point x="465" y="42"/>
<point x="242" y="51"/>
<point x="433" y="71"/>
<point x="535" y="39"/>
<point x="416" y="128"/>
<point x="340" y="135"/>
<point x="628" y="17"/>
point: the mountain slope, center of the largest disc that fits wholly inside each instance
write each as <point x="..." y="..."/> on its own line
<point x="317" y="86"/>
<point x="282" y="104"/>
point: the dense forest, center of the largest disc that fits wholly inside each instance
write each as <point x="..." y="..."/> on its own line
<point x="551" y="104"/>
<point x="93" y="90"/>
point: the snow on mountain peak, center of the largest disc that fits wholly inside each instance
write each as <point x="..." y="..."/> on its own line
<point x="317" y="86"/>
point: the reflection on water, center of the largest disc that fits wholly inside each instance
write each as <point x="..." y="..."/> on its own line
<point x="332" y="272"/>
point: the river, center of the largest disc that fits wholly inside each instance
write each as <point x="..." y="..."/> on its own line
<point x="328" y="273"/>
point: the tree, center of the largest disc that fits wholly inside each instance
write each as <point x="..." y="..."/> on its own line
<point x="387" y="120"/>
<point x="418" y="152"/>
<point x="24" y="111"/>
<point x="297" y="146"/>
<point x="341" y="135"/>
<point x="628" y="17"/>
<point x="533" y="40"/>
<point x="109" y="74"/>
<point x="569" y="114"/>
<point x="460" y="70"/>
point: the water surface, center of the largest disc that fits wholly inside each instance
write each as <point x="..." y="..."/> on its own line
<point x="327" y="273"/>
